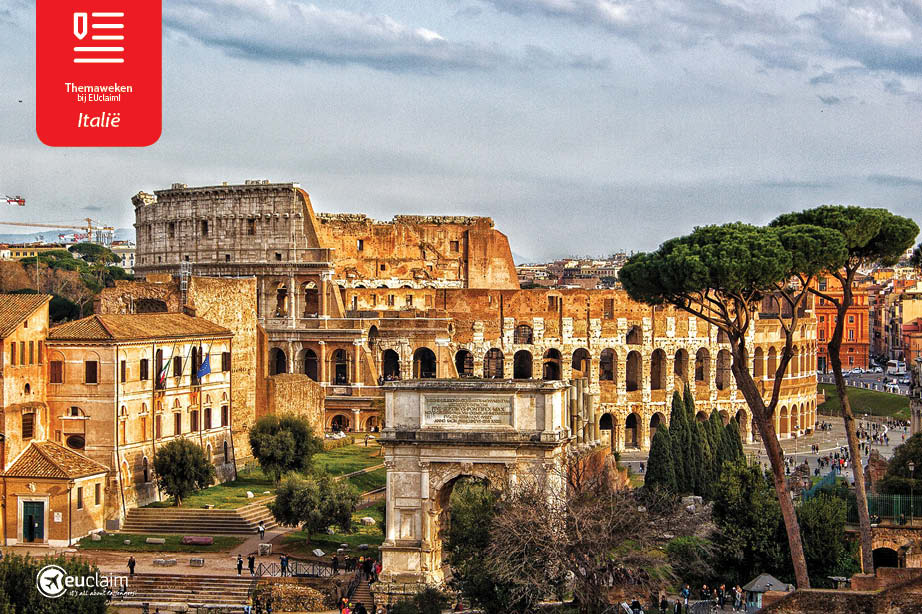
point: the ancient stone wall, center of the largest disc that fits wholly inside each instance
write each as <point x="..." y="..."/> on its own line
<point x="291" y="393"/>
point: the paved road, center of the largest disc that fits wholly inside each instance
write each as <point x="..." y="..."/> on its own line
<point x="829" y="442"/>
<point x="874" y="381"/>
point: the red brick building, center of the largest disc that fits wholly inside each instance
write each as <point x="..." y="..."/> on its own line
<point x="856" y="344"/>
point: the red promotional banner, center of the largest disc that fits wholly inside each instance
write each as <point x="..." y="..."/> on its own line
<point x="98" y="72"/>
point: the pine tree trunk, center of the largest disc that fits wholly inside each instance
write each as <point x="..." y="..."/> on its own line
<point x="766" y="427"/>
<point x="851" y="434"/>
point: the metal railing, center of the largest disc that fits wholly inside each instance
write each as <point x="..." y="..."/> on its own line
<point x="296" y="568"/>
<point x="896" y="510"/>
<point x="828" y="481"/>
<point x="878" y="386"/>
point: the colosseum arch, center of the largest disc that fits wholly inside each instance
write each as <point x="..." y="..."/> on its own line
<point x="310" y="364"/>
<point x="772" y="366"/>
<point x="464" y="363"/>
<point x="278" y="362"/>
<point x="680" y="367"/>
<point x="607" y="430"/>
<point x="633" y="376"/>
<point x="658" y="370"/>
<point x="723" y="370"/>
<point x="632" y="431"/>
<point x="758" y="363"/>
<point x="493" y="364"/>
<point x="784" y="426"/>
<point x="522" y="365"/>
<point x="281" y="299"/>
<point x="794" y="365"/>
<point x="424" y="363"/>
<point x="703" y="366"/>
<point x="551" y="370"/>
<point x="311" y="298"/>
<point x="390" y="365"/>
<point x="340" y="362"/>
<point x="523" y="335"/>
<point x="657" y="420"/>
<point x="608" y="366"/>
<point x="580" y="362"/>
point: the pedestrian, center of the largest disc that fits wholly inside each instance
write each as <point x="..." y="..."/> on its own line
<point x="251" y="563"/>
<point x="685" y="593"/>
<point x="239" y="564"/>
<point x="335" y="564"/>
<point x="377" y="570"/>
<point x="663" y="604"/>
<point x="737" y="598"/>
<point x="283" y="562"/>
<point x="641" y="467"/>
<point x="262" y="530"/>
<point x="360" y="608"/>
<point x="131" y="564"/>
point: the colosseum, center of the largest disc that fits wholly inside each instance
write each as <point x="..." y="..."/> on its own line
<point x="353" y="302"/>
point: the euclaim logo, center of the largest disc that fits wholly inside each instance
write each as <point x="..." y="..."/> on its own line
<point x="53" y="581"/>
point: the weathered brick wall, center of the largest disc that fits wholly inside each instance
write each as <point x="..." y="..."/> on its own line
<point x="291" y="393"/>
<point x="875" y="470"/>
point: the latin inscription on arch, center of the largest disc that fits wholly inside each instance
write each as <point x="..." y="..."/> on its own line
<point x="467" y="411"/>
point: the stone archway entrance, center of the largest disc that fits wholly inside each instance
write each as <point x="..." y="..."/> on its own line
<point x="439" y="431"/>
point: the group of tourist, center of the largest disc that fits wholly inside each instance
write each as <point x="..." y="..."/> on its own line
<point x="721" y="597"/>
<point x="347" y="607"/>
<point x="367" y="566"/>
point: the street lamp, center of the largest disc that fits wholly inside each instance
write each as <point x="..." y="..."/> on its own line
<point x="912" y="468"/>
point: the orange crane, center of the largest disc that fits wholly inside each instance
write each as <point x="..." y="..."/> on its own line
<point x="105" y="234"/>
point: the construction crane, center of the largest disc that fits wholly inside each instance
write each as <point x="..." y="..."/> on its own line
<point x="104" y="234"/>
<point x="15" y="200"/>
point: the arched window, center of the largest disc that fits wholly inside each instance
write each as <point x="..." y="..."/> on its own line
<point x="145" y="466"/>
<point x="680" y="366"/>
<point x="522" y="365"/>
<point x="703" y="366"/>
<point x="464" y="363"/>
<point x="340" y="368"/>
<point x="633" y="372"/>
<point x="658" y="370"/>
<point x="723" y="370"/>
<point x="551" y="365"/>
<point x="278" y="362"/>
<point x="281" y="300"/>
<point x="758" y="363"/>
<point x="310" y="365"/>
<point x="656" y="420"/>
<point x="493" y="364"/>
<point x="390" y="365"/>
<point x="523" y="334"/>
<point x="311" y="299"/>
<point x="722" y="336"/>
<point x="372" y="337"/>
<point x="580" y="362"/>
<point x="631" y="430"/>
<point x="794" y="365"/>
<point x="424" y="363"/>
<point x="634" y="336"/>
<point x="608" y="365"/>
<point x="772" y="366"/>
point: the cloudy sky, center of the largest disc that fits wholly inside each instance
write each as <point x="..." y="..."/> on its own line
<point x="580" y="126"/>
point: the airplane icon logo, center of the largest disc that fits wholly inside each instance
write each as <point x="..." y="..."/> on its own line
<point x="50" y="581"/>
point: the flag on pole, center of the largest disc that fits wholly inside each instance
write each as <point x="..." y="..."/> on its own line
<point x="161" y="377"/>
<point x="205" y="368"/>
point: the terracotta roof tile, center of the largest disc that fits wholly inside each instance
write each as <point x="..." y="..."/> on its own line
<point x="46" y="459"/>
<point x="14" y="308"/>
<point x="130" y="327"/>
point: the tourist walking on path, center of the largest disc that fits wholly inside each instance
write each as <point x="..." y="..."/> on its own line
<point x="283" y="561"/>
<point x="262" y="530"/>
<point x="686" y="593"/>
<point x="335" y="565"/>
<point x="239" y="564"/>
<point x="251" y="563"/>
<point x="131" y="564"/>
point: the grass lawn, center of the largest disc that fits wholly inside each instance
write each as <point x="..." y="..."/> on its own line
<point x="372" y="535"/>
<point x="348" y="458"/>
<point x="222" y="543"/>
<point x="865" y="402"/>
<point x="369" y="481"/>
<point x="229" y="495"/>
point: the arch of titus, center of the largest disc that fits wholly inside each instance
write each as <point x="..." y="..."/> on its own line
<point x="441" y="430"/>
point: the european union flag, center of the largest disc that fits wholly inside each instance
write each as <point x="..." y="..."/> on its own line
<point x="205" y="369"/>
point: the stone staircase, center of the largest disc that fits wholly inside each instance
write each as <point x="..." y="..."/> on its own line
<point x="362" y="594"/>
<point x="195" y="521"/>
<point x="230" y="593"/>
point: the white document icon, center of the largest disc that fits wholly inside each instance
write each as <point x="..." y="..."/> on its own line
<point x="102" y="53"/>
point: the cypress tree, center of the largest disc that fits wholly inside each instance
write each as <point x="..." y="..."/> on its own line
<point x="718" y="444"/>
<point x="660" y="466"/>
<point x="692" y="451"/>
<point x="735" y="440"/>
<point x="678" y="428"/>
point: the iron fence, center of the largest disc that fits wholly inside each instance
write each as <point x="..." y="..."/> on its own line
<point x="296" y="568"/>
<point x="888" y="509"/>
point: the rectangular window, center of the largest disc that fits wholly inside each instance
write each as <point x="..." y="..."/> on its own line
<point x="207" y="418"/>
<point x="609" y="308"/>
<point x="851" y="360"/>
<point x="822" y="335"/>
<point x="28" y="426"/>
<point x="122" y="371"/>
<point x="251" y="226"/>
<point x="80" y="497"/>
<point x="204" y="228"/>
<point x="553" y="303"/>
<point x="226" y="257"/>
<point x="225" y="361"/>
<point x="56" y="376"/>
<point x="360" y="244"/>
<point x="409" y="300"/>
<point x="22" y="352"/>
<point x="224" y="415"/>
<point x="374" y="300"/>
<point x="13" y="353"/>
<point x="278" y="256"/>
<point x="453" y="246"/>
<point x="158" y="427"/>
<point x="97" y="494"/>
<point x="41" y="353"/>
<point x="143" y="369"/>
<point x="31" y="352"/>
<point x="177" y="366"/>
<point x="171" y="230"/>
<point x="177" y="423"/>
<point x="851" y="319"/>
<point x="143" y="428"/>
<point x="822" y="284"/>
<point x="193" y="420"/>
<point x="390" y="300"/>
<point x="91" y="371"/>
<point x="851" y="334"/>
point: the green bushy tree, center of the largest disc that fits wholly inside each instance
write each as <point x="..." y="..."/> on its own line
<point x="898" y="479"/>
<point x="314" y="503"/>
<point x="283" y="443"/>
<point x="828" y="551"/>
<point x="660" y="464"/>
<point x="182" y="468"/>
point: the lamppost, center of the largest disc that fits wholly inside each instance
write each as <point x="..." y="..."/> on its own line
<point x="912" y="468"/>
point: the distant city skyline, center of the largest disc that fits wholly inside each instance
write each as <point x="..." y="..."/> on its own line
<point x="588" y="124"/>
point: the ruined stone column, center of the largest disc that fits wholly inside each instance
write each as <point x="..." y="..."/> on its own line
<point x="322" y="362"/>
<point x="573" y="410"/>
<point x="593" y="427"/>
